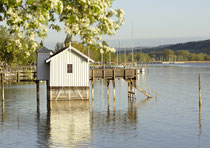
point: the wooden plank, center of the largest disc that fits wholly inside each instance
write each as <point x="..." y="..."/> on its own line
<point x="129" y="73"/>
<point x="144" y="92"/>
<point x="59" y="92"/>
<point x="80" y="94"/>
<point x="109" y="73"/>
<point x="131" y="92"/>
<point x="98" y="73"/>
<point x="119" y="73"/>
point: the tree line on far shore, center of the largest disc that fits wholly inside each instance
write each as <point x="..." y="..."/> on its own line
<point x="121" y="58"/>
<point x="170" y="55"/>
<point x="11" y="53"/>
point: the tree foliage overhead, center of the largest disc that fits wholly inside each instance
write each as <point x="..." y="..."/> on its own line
<point x="9" y="52"/>
<point x="89" y="19"/>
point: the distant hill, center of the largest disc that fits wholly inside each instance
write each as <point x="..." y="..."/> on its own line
<point x="193" y="47"/>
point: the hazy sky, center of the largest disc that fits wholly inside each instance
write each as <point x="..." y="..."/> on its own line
<point x="157" y="22"/>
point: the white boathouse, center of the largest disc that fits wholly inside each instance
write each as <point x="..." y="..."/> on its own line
<point x="66" y="73"/>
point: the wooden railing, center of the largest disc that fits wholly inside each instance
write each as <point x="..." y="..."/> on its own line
<point x="17" y="73"/>
<point x="111" y="74"/>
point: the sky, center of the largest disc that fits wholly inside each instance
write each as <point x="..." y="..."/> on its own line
<point x="156" y="22"/>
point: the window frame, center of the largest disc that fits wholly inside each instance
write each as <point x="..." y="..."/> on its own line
<point x="69" y="68"/>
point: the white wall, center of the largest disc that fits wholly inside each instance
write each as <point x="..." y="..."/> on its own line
<point x="58" y="70"/>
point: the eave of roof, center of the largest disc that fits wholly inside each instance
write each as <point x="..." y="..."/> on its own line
<point x="69" y="48"/>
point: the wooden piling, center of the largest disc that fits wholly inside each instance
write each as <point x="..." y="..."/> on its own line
<point x="114" y="94"/>
<point x="135" y="88"/>
<point x="132" y="88"/>
<point x="129" y="91"/>
<point x="18" y="76"/>
<point x="92" y="94"/>
<point x="87" y="93"/>
<point x="48" y="95"/>
<point x="200" y="99"/>
<point x="2" y="86"/>
<point x="113" y="74"/>
<point x="37" y="92"/>
<point x="125" y="74"/>
<point x="93" y="74"/>
<point x="108" y="94"/>
<point x="92" y="90"/>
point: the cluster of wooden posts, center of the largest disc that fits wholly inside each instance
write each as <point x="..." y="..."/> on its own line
<point x="129" y="75"/>
<point x="29" y="75"/>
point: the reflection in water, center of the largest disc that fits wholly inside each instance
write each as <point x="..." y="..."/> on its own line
<point x="43" y="129"/>
<point x="68" y="123"/>
<point x="73" y="123"/>
<point x="118" y="116"/>
<point x="132" y="110"/>
<point x="144" y="102"/>
<point x="170" y="123"/>
<point x="200" y="124"/>
<point x="114" y="122"/>
<point x="3" y="111"/>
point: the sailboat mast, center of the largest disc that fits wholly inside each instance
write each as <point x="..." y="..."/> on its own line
<point x="118" y="52"/>
<point x="132" y="44"/>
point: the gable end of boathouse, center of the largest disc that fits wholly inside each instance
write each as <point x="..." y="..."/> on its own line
<point x="69" y="68"/>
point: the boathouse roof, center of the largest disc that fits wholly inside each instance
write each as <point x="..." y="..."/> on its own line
<point x="44" y="50"/>
<point x="71" y="49"/>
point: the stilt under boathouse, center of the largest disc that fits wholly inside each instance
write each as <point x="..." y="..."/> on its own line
<point x="66" y="73"/>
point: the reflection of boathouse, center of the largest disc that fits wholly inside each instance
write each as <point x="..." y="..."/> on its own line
<point x="66" y="71"/>
<point x="67" y="124"/>
<point x="70" y="122"/>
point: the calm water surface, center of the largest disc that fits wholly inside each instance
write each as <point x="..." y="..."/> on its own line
<point x="171" y="119"/>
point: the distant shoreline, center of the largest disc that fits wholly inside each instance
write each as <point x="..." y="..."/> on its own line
<point x="177" y="62"/>
<point x="196" y="61"/>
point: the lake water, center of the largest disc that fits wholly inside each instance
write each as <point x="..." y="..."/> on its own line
<point x="171" y="119"/>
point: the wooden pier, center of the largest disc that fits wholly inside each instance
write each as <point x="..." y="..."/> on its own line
<point x="28" y="74"/>
<point x="109" y="74"/>
<point x="18" y="74"/>
<point x="112" y="73"/>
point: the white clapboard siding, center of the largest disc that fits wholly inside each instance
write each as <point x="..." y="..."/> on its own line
<point x="58" y="70"/>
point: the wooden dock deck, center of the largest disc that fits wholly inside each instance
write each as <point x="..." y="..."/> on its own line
<point x="109" y="74"/>
<point x="112" y="73"/>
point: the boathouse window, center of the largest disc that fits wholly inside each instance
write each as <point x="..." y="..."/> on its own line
<point x="69" y="68"/>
